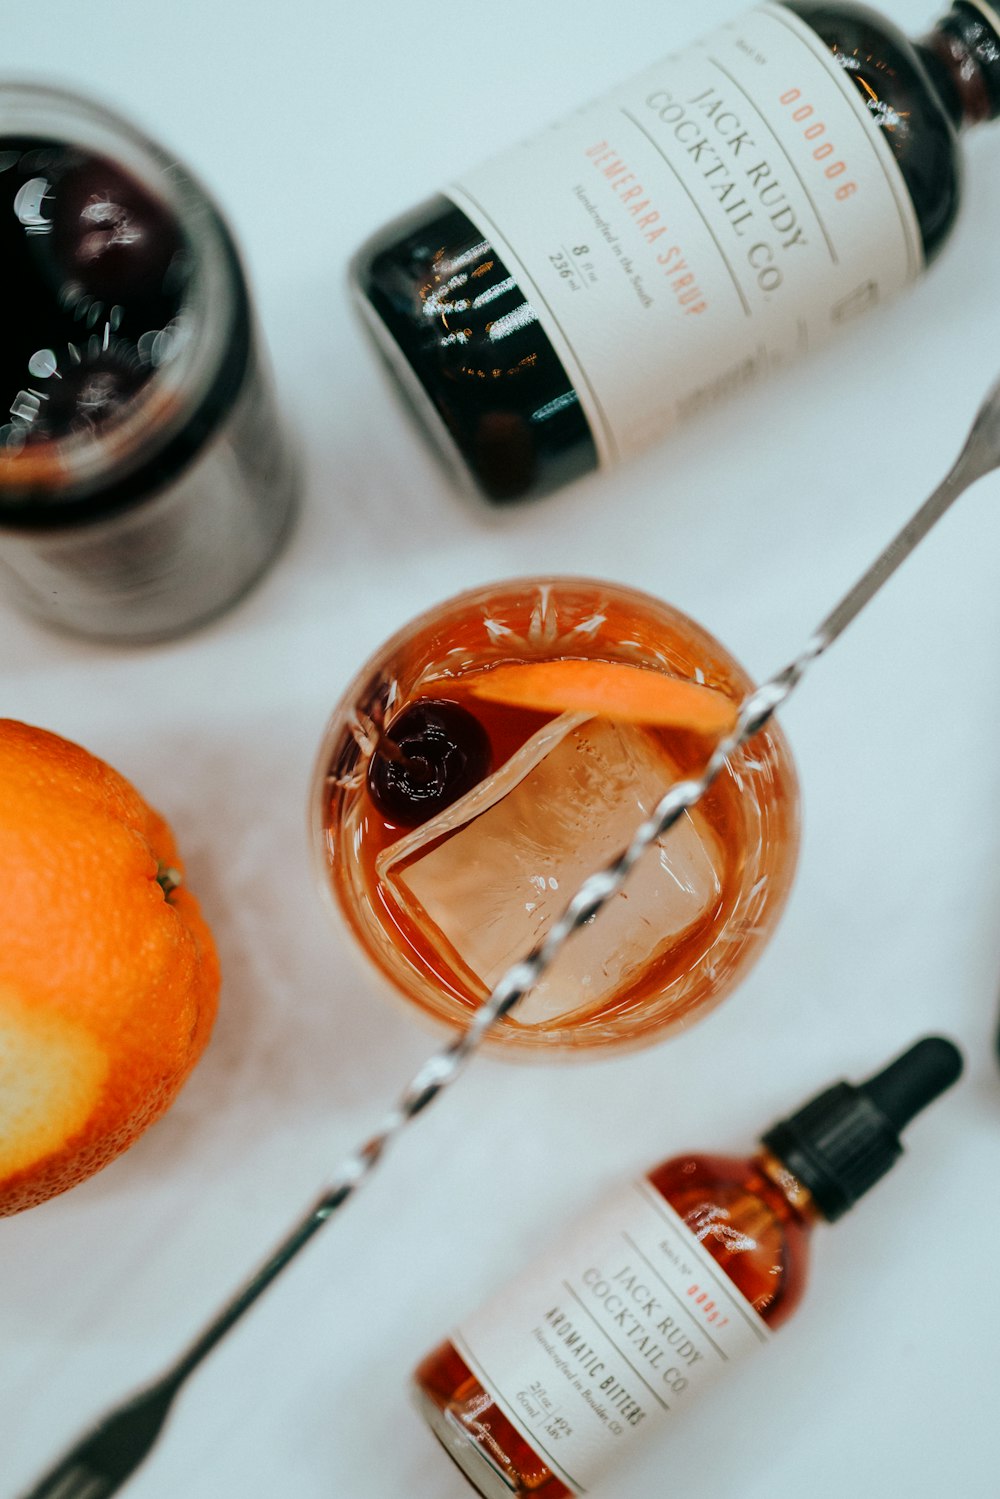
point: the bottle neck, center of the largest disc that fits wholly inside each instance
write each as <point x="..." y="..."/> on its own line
<point x="797" y="1196"/>
<point x="963" y="55"/>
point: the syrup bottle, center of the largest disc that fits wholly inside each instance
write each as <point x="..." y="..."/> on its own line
<point x="615" y="1330"/>
<point x="567" y="303"/>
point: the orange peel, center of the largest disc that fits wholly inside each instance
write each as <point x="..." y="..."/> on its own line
<point x="608" y="689"/>
<point x="108" y="972"/>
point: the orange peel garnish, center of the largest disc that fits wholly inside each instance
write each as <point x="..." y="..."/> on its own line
<point x="608" y="689"/>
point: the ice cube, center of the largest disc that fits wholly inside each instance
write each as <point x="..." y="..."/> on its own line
<point x="485" y="880"/>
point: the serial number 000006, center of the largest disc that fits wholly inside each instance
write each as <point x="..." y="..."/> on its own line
<point x="815" y="130"/>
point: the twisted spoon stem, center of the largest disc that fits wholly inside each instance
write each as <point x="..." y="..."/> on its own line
<point x="979" y="456"/>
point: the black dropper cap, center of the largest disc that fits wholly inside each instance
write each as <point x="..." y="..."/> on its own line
<point x="846" y="1139"/>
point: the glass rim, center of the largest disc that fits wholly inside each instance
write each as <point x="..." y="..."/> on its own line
<point x="327" y="846"/>
<point x="400" y="636"/>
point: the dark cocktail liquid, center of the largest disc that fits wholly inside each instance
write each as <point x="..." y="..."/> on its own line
<point x="99" y="267"/>
<point x="144" y="483"/>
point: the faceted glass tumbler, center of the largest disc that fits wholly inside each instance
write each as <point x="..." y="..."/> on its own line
<point x="444" y="907"/>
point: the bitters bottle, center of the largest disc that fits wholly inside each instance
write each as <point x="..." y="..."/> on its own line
<point x="612" y="1333"/>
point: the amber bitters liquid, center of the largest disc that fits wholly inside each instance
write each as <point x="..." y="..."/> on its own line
<point x="759" y="1238"/>
<point x="610" y="1335"/>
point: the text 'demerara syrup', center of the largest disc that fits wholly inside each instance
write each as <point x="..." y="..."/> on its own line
<point x="699" y="227"/>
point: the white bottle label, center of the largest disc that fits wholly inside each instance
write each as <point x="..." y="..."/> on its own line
<point x="609" y="1334"/>
<point x="701" y="225"/>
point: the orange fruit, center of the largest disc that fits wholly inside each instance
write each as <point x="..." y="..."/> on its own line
<point x="108" y="974"/>
<point x="612" y="689"/>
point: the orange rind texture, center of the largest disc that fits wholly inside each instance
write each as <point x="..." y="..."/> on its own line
<point x="108" y="990"/>
<point x="609" y="689"/>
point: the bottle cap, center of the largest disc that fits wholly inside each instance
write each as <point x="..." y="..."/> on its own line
<point x="972" y="28"/>
<point x="846" y="1139"/>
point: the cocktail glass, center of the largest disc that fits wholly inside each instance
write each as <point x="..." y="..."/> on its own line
<point x="443" y="898"/>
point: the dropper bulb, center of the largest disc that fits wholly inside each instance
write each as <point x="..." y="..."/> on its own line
<point x="843" y="1141"/>
<point x="914" y="1079"/>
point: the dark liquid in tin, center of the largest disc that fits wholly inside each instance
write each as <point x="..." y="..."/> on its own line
<point x="141" y="533"/>
<point x="95" y="270"/>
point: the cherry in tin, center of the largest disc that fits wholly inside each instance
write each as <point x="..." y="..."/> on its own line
<point x="96" y="268"/>
<point x="110" y="236"/>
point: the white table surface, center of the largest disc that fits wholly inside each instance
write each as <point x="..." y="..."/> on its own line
<point x="313" y="123"/>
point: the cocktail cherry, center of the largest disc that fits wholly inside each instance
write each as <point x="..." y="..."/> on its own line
<point x="431" y="754"/>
